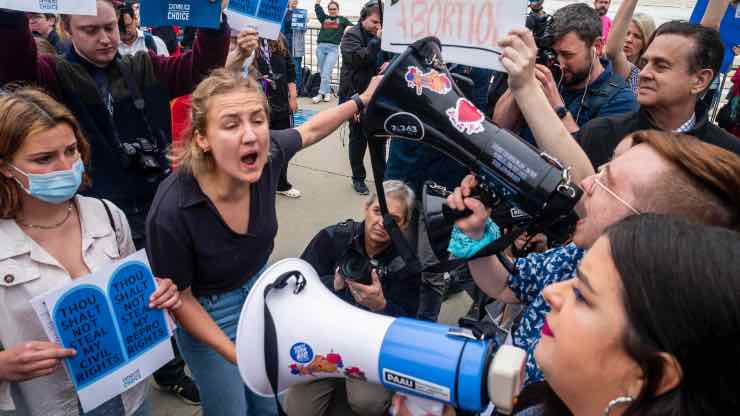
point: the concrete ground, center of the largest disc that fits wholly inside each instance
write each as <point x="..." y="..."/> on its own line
<point x="323" y="176"/>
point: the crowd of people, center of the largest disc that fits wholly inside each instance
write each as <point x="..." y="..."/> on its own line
<point x="114" y="139"/>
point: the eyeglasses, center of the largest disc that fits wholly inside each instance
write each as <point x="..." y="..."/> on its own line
<point x="598" y="179"/>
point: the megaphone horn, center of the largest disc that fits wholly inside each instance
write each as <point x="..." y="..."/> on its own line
<point x="318" y="335"/>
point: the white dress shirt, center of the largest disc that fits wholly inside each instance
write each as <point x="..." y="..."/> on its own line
<point x="140" y="45"/>
<point x="26" y="271"/>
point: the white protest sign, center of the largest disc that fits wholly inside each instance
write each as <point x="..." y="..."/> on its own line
<point x="105" y="317"/>
<point x="87" y="7"/>
<point x="468" y="29"/>
<point x="264" y="15"/>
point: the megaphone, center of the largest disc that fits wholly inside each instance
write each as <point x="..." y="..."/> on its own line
<point x="418" y="100"/>
<point x="292" y="329"/>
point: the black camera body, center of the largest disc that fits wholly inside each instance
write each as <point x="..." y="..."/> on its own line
<point x="140" y="155"/>
<point x="541" y="27"/>
<point x="357" y="267"/>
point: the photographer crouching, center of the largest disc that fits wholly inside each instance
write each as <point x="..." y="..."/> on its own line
<point x="358" y="262"/>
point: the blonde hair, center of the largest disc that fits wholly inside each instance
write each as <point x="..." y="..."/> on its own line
<point x="25" y="112"/>
<point x="221" y="81"/>
<point x="646" y="24"/>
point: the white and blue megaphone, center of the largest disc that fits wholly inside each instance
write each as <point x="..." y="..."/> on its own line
<point x="310" y="333"/>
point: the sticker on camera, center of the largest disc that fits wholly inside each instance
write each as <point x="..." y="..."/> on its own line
<point x="432" y="80"/>
<point x="466" y="117"/>
<point x="405" y="125"/>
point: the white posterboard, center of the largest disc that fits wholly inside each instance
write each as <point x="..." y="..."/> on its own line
<point x="86" y="7"/>
<point x="105" y="317"/>
<point x="469" y="30"/>
<point x="264" y="15"/>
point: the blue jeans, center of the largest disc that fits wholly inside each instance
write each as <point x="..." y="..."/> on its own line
<point x="222" y="391"/>
<point x="326" y="53"/>
<point x="298" y="61"/>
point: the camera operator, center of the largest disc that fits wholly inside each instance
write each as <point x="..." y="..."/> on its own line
<point x="588" y="87"/>
<point x="538" y="20"/>
<point x="653" y="171"/>
<point x="358" y="262"/>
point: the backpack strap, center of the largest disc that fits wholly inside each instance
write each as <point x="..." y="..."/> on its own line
<point x="602" y="95"/>
<point x="111" y="221"/>
<point x="149" y="42"/>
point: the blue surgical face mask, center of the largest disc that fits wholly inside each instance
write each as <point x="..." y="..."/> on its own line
<point x="53" y="187"/>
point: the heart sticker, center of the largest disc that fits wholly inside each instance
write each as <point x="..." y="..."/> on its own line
<point x="466" y="117"/>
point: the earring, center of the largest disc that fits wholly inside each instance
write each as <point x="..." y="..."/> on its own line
<point x="616" y="402"/>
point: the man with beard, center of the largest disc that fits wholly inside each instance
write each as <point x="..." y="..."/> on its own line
<point x="602" y="8"/>
<point x="588" y="87"/>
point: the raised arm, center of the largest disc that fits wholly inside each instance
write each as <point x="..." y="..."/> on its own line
<point x="183" y="73"/>
<point x="506" y="114"/>
<point x="519" y="55"/>
<point x="19" y="61"/>
<point x="714" y="13"/>
<point x="617" y="35"/>
<point x="320" y="14"/>
<point x="325" y="122"/>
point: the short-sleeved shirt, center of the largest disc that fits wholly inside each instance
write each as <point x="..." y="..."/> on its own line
<point x="189" y="242"/>
<point x="534" y="273"/>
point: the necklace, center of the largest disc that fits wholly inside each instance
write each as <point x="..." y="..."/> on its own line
<point x="49" y="227"/>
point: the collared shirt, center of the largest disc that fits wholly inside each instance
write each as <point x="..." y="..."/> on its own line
<point x="688" y="125"/>
<point x="140" y="45"/>
<point x="534" y="272"/>
<point x="579" y="102"/>
<point x="189" y="242"/>
<point x="601" y="136"/>
<point x="26" y="271"/>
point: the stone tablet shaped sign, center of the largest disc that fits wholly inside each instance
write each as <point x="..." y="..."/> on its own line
<point x="84" y="322"/>
<point x="141" y="327"/>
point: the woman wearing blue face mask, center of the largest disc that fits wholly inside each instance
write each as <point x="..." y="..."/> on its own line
<point x="49" y="235"/>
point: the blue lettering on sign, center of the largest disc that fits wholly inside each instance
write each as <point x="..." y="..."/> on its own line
<point x="84" y="322"/>
<point x="129" y="290"/>
<point x="301" y="353"/>
<point x="248" y="7"/>
<point x="48" y="4"/>
<point x="272" y="10"/>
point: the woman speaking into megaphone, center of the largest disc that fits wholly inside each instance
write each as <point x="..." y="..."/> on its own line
<point x="212" y="225"/>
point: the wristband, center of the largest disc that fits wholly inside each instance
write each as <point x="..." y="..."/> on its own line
<point x="463" y="247"/>
<point x="360" y="105"/>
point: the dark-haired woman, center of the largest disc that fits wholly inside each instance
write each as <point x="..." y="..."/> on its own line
<point x="273" y="61"/>
<point x="651" y="324"/>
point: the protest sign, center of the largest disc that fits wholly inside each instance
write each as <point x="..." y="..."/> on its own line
<point x="468" y="29"/>
<point x="191" y="13"/>
<point x="86" y="7"/>
<point x="264" y="15"/>
<point x="729" y="30"/>
<point x="105" y="317"/>
<point x="300" y="19"/>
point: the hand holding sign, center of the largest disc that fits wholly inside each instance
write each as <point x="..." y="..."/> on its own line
<point x="518" y="57"/>
<point x="31" y="359"/>
<point x="166" y="296"/>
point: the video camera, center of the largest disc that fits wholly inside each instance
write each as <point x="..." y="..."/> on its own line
<point x="418" y="100"/>
<point x="541" y="27"/>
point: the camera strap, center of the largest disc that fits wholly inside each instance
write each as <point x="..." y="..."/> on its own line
<point x="139" y="102"/>
<point x="272" y="356"/>
<point x="407" y="253"/>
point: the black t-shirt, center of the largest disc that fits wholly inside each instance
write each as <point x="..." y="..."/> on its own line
<point x="189" y="242"/>
<point x="599" y="137"/>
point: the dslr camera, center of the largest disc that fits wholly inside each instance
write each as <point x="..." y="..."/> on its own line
<point x="140" y="156"/>
<point x="357" y="267"/>
<point x="541" y="28"/>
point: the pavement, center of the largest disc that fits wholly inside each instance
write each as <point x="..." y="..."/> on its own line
<point x="323" y="175"/>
